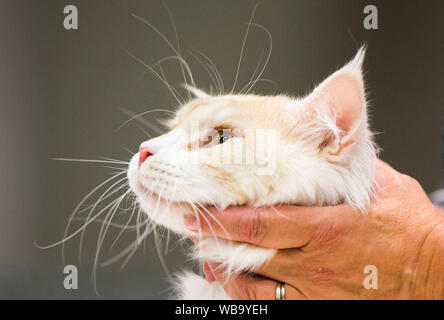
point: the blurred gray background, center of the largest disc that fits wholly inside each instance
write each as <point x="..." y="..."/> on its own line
<point x="62" y="93"/>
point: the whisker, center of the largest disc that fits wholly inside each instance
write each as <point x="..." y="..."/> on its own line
<point x="96" y="204"/>
<point x="208" y="71"/>
<point x="257" y="81"/>
<point x="254" y="73"/>
<point x="72" y="235"/>
<point x="140" y="114"/>
<point x="142" y="121"/>
<point x="128" y="227"/>
<point x="115" y="168"/>
<point x="92" y="161"/>
<point x="168" y="212"/>
<point x="76" y="209"/>
<point x="176" y="51"/>
<point x="132" y="246"/>
<point x="215" y="70"/>
<point x="270" y="39"/>
<point x="129" y="151"/>
<point x="123" y="229"/>
<point x="154" y="72"/>
<point x="116" y="160"/>
<point x="178" y="46"/>
<point x="207" y="221"/>
<point x="102" y="234"/>
<point x="104" y="196"/>
<point x="243" y="47"/>
<point x="157" y="31"/>
<point x="216" y="220"/>
<point x="162" y="73"/>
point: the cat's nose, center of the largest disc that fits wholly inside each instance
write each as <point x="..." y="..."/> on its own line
<point x="144" y="153"/>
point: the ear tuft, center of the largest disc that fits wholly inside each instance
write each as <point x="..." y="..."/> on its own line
<point x="358" y="60"/>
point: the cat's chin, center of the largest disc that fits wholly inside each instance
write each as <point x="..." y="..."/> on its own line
<point x="167" y="213"/>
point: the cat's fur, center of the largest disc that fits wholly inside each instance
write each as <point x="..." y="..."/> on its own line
<point x="324" y="155"/>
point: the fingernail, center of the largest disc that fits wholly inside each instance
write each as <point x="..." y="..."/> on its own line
<point x="191" y="223"/>
<point x="208" y="273"/>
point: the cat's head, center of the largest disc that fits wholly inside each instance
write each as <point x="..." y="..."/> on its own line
<point x="231" y="150"/>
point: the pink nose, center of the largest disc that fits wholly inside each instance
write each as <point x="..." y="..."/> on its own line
<point x="144" y="153"/>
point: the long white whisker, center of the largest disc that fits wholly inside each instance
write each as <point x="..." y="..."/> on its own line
<point x="215" y="70"/>
<point x="208" y="71"/>
<point x="168" y="212"/>
<point x="158" y="32"/>
<point x="76" y="209"/>
<point x="123" y="229"/>
<point x="254" y="73"/>
<point x="270" y="38"/>
<point x="243" y="47"/>
<point x="178" y="47"/>
<point x="72" y="235"/>
<point x="126" y="227"/>
<point x="216" y="220"/>
<point x="91" y="161"/>
<point x="154" y="72"/>
<point x="162" y="72"/>
<point x="133" y="245"/>
<point x="207" y="221"/>
<point x="178" y="54"/>
<point x="142" y="121"/>
<point x="142" y="114"/>
<point x="104" y="196"/>
<point x="257" y="81"/>
<point x="102" y="235"/>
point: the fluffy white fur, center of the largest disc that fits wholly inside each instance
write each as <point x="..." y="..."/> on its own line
<point x="324" y="156"/>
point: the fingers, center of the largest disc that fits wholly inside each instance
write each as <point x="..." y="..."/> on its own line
<point x="248" y="287"/>
<point x="270" y="227"/>
<point x="208" y="273"/>
<point x="287" y="265"/>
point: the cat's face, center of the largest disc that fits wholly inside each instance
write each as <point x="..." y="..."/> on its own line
<point x="220" y="151"/>
<point x="258" y="150"/>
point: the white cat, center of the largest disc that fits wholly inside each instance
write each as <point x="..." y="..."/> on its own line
<point x="322" y="154"/>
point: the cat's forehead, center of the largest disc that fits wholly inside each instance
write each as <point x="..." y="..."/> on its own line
<point x="218" y="109"/>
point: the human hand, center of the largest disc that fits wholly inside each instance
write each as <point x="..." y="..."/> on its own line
<point x="323" y="250"/>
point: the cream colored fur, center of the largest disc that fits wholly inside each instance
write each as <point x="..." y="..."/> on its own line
<point x="323" y="155"/>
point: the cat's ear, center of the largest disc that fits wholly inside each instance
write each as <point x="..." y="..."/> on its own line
<point x="340" y="100"/>
<point x="198" y="93"/>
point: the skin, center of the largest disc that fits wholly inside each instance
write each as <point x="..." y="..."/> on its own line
<point x="322" y="251"/>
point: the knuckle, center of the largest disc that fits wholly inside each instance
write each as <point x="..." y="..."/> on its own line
<point x="413" y="182"/>
<point x="407" y="183"/>
<point x="396" y="179"/>
<point x="406" y="179"/>
<point x="328" y="231"/>
<point x="252" y="227"/>
<point x="319" y="274"/>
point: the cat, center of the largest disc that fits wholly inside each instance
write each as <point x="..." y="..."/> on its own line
<point x="322" y="153"/>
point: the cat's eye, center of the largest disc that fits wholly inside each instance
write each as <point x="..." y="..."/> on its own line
<point x="218" y="136"/>
<point x="224" y="135"/>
